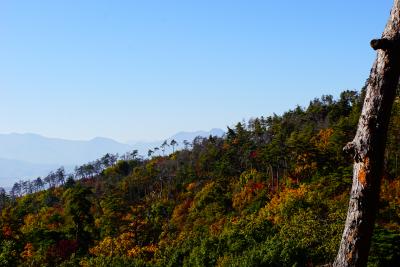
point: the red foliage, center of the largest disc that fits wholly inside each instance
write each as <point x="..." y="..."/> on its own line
<point x="253" y="154"/>
<point x="258" y="186"/>
<point x="7" y="232"/>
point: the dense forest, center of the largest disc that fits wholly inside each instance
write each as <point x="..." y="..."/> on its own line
<point x="272" y="192"/>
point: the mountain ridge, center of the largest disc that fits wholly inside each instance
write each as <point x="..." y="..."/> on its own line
<point x="29" y="155"/>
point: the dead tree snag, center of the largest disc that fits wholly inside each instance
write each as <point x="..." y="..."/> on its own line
<point x="368" y="145"/>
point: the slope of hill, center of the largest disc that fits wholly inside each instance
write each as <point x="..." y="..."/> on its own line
<point x="271" y="192"/>
<point x="27" y="156"/>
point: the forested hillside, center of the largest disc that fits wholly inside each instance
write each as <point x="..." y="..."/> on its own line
<point x="272" y="192"/>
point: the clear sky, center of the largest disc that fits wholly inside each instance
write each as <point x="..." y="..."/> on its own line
<point x="148" y="69"/>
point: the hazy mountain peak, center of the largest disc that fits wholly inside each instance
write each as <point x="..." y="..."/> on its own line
<point x="100" y="139"/>
<point x="28" y="155"/>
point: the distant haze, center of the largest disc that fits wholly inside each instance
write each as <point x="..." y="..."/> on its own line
<point x="27" y="156"/>
<point x="145" y="69"/>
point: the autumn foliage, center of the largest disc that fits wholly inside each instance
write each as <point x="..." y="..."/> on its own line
<point x="272" y="192"/>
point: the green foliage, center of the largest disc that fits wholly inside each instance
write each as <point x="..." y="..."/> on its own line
<point x="77" y="208"/>
<point x="272" y="192"/>
<point x="114" y="261"/>
<point x="8" y="253"/>
<point x="385" y="249"/>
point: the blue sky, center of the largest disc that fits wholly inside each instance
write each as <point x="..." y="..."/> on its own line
<point x="148" y="69"/>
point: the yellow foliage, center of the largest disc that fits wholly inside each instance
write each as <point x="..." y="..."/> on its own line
<point x="137" y="251"/>
<point x="134" y="252"/>
<point x="152" y="248"/>
<point x="180" y="211"/>
<point x="225" y="146"/>
<point x="274" y="211"/>
<point x="42" y="219"/>
<point x="304" y="165"/>
<point x="223" y="261"/>
<point x="202" y="195"/>
<point x="138" y="208"/>
<point x="191" y="186"/>
<point x="242" y="198"/>
<point x="30" y="221"/>
<point x="250" y="175"/>
<point x="109" y="246"/>
<point x="322" y="139"/>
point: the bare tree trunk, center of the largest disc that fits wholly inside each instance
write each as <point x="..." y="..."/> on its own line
<point x="277" y="179"/>
<point x="272" y="177"/>
<point x="369" y="144"/>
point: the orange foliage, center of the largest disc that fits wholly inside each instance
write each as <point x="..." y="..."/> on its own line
<point x="28" y="251"/>
<point x="191" y="186"/>
<point x="217" y="227"/>
<point x="304" y="165"/>
<point x="241" y="199"/>
<point x="178" y="215"/>
<point x="148" y="251"/>
<point x="7" y="232"/>
<point x="234" y="220"/>
<point x="274" y="210"/>
<point x="246" y="195"/>
<point x="48" y="218"/>
<point x="226" y="146"/>
<point x="391" y="191"/>
<point x="134" y="252"/>
<point x="322" y="139"/>
<point x="390" y="194"/>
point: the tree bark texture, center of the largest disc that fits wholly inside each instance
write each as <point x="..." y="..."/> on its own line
<point x="368" y="146"/>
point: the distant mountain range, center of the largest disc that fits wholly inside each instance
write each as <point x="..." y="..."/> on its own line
<point x="34" y="148"/>
<point x="14" y="170"/>
<point x="27" y="156"/>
